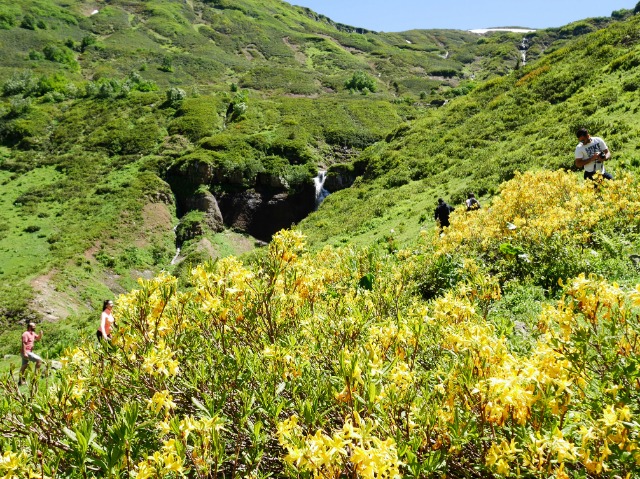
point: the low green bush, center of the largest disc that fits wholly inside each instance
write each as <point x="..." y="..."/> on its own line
<point x="360" y="81"/>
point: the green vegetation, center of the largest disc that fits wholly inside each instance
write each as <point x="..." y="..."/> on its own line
<point x="522" y="121"/>
<point x="129" y="131"/>
<point x="99" y="109"/>
<point x="348" y="361"/>
<point x="361" y="81"/>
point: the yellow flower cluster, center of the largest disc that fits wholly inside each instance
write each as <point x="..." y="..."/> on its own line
<point x="14" y="466"/>
<point x="163" y="463"/>
<point x="161" y="400"/>
<point x="159" y="361"/>
<point x="283" y="361"/>
<point x="353" y="447"/>
<point x="536" y="206"/>
<point x="221" y="292"/>
<point x="500" y="456"/>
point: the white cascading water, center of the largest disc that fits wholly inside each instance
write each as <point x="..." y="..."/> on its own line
<point x="523" y="50"/>
<point x="175" y="258"/>
<point x="321" y="193"/>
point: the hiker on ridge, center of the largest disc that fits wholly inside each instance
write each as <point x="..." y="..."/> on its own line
<point x="29" y="337"/>
<point x="441" y="213"/>
<point x="591" y="153"/>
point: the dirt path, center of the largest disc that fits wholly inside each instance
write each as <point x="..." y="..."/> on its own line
<point x="52" y="304"/>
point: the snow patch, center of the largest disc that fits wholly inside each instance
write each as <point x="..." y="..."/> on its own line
<point x="514" y="30"/>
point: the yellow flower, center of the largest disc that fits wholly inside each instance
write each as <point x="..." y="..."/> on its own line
<point x="161" y="400"/>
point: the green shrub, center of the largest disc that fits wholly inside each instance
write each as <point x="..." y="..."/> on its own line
<point x="121" y="136"/>
<point x="175" y="96"/>
<point x="86" y="42"/>
<point x="360" y="81"/>
<point x="19" y="106"/>
<point x="54" y="83"/>
<point x="53" y="97"/>
<point x="59" y="54"/>
<point x="135" y="82"/>
<point x="625" y="62"/>
<point x="197" y="118"/>
<point x="576" y="28"/>
<point x="444" y="72"/>
<point x="8" y="17"/>
<point x="559" y="86"/>
<point x="28" y="22"/>
<point x="298" y="176"/>
<point x="289" y="80"/>
<point x="631" y="84"/>
<point x="166" y="65"/>
<point x="350" y="137"/>
<point x="22" y="83"/>
<point x="35" y="55"/>
<point x="295" y="151"/>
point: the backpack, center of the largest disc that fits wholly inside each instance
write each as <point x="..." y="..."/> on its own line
<point x="472" y="204"/>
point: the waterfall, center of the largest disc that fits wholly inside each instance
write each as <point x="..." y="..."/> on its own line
<point x="524" y="46"/>
<point x="321" y="193"/>
<point x="175" y="258"/>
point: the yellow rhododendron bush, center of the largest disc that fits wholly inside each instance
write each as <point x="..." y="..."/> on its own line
<point x="332" y="364"/>
<point x="548" y="225"/>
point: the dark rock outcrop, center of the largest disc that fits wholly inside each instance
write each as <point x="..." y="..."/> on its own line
<point x="206" y="202"/>
<point x="262" y="210"/>
<point x="262" y="213"/>
<point x="198" y="173"/>
<point x="339" y="177"/>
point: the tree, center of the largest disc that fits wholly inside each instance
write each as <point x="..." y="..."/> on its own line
<point x="361" y="81"/>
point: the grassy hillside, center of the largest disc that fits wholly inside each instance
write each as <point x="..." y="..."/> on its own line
<point x="518" y="122"/>
<point x="101" y="102"/>
<point x="506" y="347"/>
<point x="448" y="358"/>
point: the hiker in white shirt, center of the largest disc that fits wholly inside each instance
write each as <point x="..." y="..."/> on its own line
<point x="591" y="153"/>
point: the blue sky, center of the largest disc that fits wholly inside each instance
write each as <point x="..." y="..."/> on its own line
<point x="400" y="15"/>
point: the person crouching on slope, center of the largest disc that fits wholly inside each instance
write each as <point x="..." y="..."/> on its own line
<point x="472" y="203"/>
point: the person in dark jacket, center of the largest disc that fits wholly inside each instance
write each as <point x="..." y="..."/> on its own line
<point x="441" y="213"/>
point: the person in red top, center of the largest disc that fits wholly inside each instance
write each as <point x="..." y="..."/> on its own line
<point x="29" y="337"/>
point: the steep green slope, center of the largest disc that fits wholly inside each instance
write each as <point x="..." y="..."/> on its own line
<point x="92" y="119"/>
<point x="110" y="113"/>
<point x="522" y="121"/>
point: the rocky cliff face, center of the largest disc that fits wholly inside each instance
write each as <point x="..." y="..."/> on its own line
<point x="261" y="213"/>
<point x="341" y="176"/>
<point x="205" y="201"/>
<point x="260" y="210"/>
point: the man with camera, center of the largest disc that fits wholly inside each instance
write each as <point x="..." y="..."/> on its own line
<point x="591" y="153"/>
